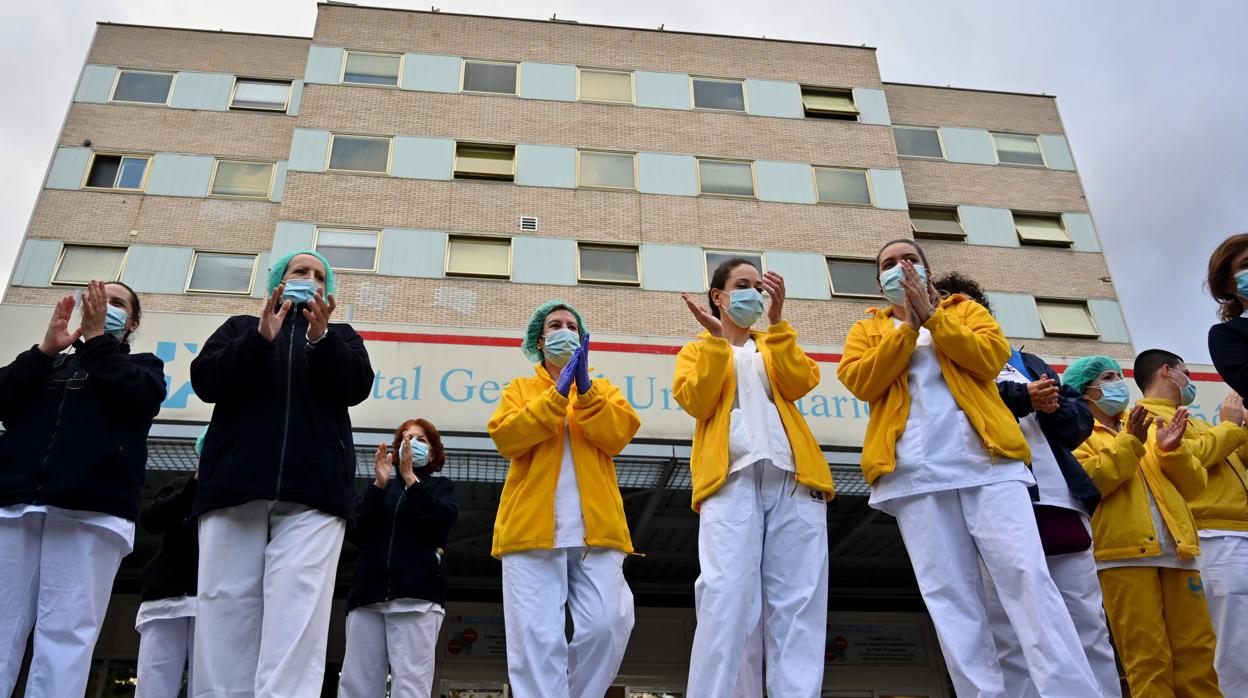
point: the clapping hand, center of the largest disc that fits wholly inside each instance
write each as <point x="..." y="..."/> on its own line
<point x="1138" y="422"/>
<point x="1232" y="409"/>
<point x="94" y="309"/>
<point x="1043" y="394"/>
<point x="581" y="359"/>
<point x="704" y="316"/>
<point x="918" y="299"/>
<point x="773" y="283"/>
<point x="317" y="314"/>
<point x="274" y="313"/>
<point x="1169" y="436"/>
<point x="382" y="463"/>
<point x="58" y="337"/>
<point x="405" y="463"/>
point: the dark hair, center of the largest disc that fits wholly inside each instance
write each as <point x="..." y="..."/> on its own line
<point x="1221" y="276"/>
<point x="720" y="278"/>
<point x="909" y="242"/>
<point x="136" y="308"/>
<point x="955" y="282"/>
<point x="437" y="454"/>
<point x="1149" y="363"/>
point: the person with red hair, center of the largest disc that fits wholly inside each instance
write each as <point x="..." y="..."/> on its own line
<point x="398" y="596"/>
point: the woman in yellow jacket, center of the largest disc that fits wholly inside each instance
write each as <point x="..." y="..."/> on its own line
<point x="1144" y="537"/>
<point x="945" y="456"/>
<point x="560" y="530"/>
<point x="760" y="486"/>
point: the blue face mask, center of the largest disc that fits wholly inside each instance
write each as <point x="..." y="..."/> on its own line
<point x="300" y="291"/>
<point x="745" y="307"/>
<point x="420" y="453"/>
<point x="1114" y="397"/>
<point x="115" y="321"/>
<point x="1187" y="391"/>
<point x="890" y="283"/>
<point x="1241" y="283"/>
<point x="559" y="346"/>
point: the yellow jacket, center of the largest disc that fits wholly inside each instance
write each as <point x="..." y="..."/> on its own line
<point x="529" y="428"/>
<point x="705" y="387"/>
<point x="971" y="351"/>
<point x="1223" y="505"/>
<point x="1121" y="467"/>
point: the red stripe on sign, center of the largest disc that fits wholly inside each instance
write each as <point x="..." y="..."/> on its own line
<point x="460" y="340"/>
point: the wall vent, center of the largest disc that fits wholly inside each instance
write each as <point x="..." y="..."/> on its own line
<point x="528" y="223"/>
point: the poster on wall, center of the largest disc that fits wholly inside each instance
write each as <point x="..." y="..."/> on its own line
<point x="876" y="644"/>
<point x="474" y="637"/>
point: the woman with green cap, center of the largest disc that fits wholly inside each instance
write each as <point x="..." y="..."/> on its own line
<point x="560" y="530"/>
<point x="275" y="484"/>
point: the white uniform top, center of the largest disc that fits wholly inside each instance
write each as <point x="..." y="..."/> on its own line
<point x="1054" y="491"/>
<point x="569" y="520"/>
<point x="755" y="432"/>
<point x="939" y="449"/>
<point x="405" y="606"/>
<point x="123" y="528"/>
<point x="1169" y="556"/>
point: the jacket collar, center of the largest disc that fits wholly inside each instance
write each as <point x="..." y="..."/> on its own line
<point x="1159" y="405"/>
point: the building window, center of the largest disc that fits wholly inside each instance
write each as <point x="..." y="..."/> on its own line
<point x="478" y="256"/>
<point x="82" y="263"/>
<point x="1018" y="150"/>
<point x="726" y="177"/>
<point x="124" y="172"/>
<point x="218" y="272"/>
<point x="485" y="161"/>
<point x="606" y="86"/>
<point x="723" y="95"/>
<point x="486" y="76"/>
<point x="936" y="222"/>
<point x="842" y="186"/>
<point x="1040" y="229"/>
<point x="347" y="249"/>
<point x="363" y="68"/>
<point x="607" y="264"/>
<point x="239" y="178"/>
<point x="1066" y="319"/>
<point x="142" y="87"/>
<point x="853" y="277"/>
<point x="359" y="153"/>
<point x="918" y="142"/>
<point x="828" y="103"/>
<point x="606" y="170"/>
<point x="260" y="95"/>
<point x="714" y="258"/>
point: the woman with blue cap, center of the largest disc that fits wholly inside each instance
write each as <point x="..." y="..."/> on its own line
<point x="560" y="530"/>
<point x="275" y="484"/>
<point x="73" y="456"/>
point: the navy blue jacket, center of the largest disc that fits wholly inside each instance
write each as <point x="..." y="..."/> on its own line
<point x="76" y="426"/>
<point x="173" y="570"/>
<point x="1228" y="346"/>
<point x="1064" y="429"/>
<point x="401" y="534"/>
<point x="280" y="429"/>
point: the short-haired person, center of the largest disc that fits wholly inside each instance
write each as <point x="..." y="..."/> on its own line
<point x="1055" y="420"/>
<point x="1220" y="510"/>
<point x="1144" y="536"/>
<point x="73" y="456"/>
<point x="276" y="481"/>
<point x="398" y="596"/>
<point x="1227" y="281"/>
<point x="166" y="618"/>
<point x="560" y="530"/>
<point x="760" y="487"/>
<point x="945" y="457"/>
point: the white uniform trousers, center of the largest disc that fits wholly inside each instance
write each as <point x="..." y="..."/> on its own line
<point x="266" y="581"/>
<point x="56" y="575"/>
<point x="1224" y="572"/>
<point x="165" y="647"/>
<point x="946" y="534"/>
<point x="399" y="644"/>
<point x="537" y="585"/>
<point x="1076" y="580"/>
<point x="762" y="543"/>
<point x="750" y="678"/>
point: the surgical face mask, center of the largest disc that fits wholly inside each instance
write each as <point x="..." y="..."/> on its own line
<point x="1114" y="397"/>
<point x="1241" y="283"/>
<point x="300" y="291"/>
<point x="745" y="307"/>
<point x="115" y="321"/>
<point x="1187" y="391"/>
<point x="559" y="346"/>
<point x="890" y="283"/>
<point x="420" y="453"/>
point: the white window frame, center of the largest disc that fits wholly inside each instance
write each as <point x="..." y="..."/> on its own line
<point x="251" y="285"/>
<point x="478" y="177"/>
<point x="996" y="151"/>
<point x="852" y="117"/>
<point x="592" y="151"/>
<point x="866" y="174"/>
<point x="117" y="81"/>
<point x="582" y="279"/>
<point x="346" y="56"/>
<point x="316" y="238"/>
<point x="329" y="154"/>
<point x="832" y="282"/>
<point x="957" y="218"/>
<point x="216" y="164"/>
<point x="463" y="76"/>
<point x="632" y="85"/>
<point x="290" y="88"/>
<point x="56" y="270"/>
<point x="707" y="272"/>
<point x="1082" y="304"/>
<point x="940" y="140"/>
<point x="452" y="237"/>
<point x="693" y="94"/>
<point x="147" y="171"/>
<point x="753" y="179"/>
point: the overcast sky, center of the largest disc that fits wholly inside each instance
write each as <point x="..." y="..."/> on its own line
<point x="1152" y="94"/>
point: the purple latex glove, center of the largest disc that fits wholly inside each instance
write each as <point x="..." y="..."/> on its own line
<point x="581" y="360"/>
<point x="567" y="375"/>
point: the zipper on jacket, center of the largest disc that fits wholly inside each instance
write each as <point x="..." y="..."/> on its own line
<point x="60" y="408"/>
<point x="394" y="520"/>
<point x="281" y="461"/>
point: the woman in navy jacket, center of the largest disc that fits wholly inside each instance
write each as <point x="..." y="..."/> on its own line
<point x="72" y="460"/>
<point x="1228" y="283"/>
<point x="398" y="597"/>
<point x="275" y="484"/>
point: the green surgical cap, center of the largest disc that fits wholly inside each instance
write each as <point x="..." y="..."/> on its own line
<point x="1083" y="371"/>
<point x="534" y="331"/>
<point x="199" y="442"/>
<point x="278" y="270"/>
